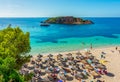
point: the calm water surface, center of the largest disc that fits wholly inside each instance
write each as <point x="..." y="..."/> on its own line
<point x="60" y="37"/>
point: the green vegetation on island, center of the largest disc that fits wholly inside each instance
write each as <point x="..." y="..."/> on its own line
<point x="14" y="44"/>
<point x="67" y="20"/>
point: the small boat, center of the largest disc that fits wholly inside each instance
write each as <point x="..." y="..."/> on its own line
<point x="45" y="24"/>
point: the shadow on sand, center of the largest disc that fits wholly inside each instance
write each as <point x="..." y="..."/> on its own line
<point x="110" y="74"/>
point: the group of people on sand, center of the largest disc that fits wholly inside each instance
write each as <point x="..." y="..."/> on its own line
<point x="62" y="68"/>
<point x="117" y="49"/>
<point x="103" y="54"/>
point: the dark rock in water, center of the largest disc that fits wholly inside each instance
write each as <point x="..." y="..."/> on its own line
<point x="63" y="41"/>
<point x="44" y="24"/>
<point x="54" y="41"/>
<point x="41" y="22"/>
<point x="67" y="20"/>
<point x="38" y="41"/>
<point x="96" y="39"/>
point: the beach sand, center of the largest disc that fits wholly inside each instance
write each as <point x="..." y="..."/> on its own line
<point x="113" y="64"/>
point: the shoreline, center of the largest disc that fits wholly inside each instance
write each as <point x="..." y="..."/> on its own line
<point x="71" y="51"/>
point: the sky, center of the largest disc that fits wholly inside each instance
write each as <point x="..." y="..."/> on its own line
<point x="50" y="8"/>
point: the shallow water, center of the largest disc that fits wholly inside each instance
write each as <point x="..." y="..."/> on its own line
<point x="59" y="38"/>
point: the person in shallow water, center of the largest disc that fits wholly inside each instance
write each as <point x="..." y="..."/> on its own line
<point x="91" y="46"/>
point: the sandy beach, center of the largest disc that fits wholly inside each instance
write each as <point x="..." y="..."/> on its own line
<point x="111" y="56"/>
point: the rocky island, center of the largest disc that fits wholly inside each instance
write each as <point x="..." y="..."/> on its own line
<point x="67" y="20"/>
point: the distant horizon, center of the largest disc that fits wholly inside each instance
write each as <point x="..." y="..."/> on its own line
<point x="64" y="16"/>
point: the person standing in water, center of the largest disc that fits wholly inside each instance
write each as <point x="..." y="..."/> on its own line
<point x="91" y="46"/>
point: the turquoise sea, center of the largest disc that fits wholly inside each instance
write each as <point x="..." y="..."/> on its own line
<point x="60" y="37"/>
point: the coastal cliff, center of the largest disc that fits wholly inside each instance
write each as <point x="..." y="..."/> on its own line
<point x="67" y="20"/>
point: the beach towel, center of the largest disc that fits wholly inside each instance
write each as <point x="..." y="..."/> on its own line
<point x="102" y="62"/>
<point x="60" y="81"/>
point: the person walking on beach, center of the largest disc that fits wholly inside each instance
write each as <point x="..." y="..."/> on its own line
<point x="119" y="51"/>
<point x="116" y="48"/>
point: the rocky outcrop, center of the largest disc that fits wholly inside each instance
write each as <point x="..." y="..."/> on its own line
<point x="67" y="20"/>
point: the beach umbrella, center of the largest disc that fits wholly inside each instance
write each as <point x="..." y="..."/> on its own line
<point x="87" y="53"/>
<point x="30" y="67"/>
<point x="50" y="55"/>
<point x="22" y="71"/>
<point x="78" y="53"/>
<point x="103" y="52"/>
<point x="74" y="68"/>
<point x="33" y="79"/>
<point x="60" y="64"/>
<point x="32" y="62"/>
<point x="57" y="69"/>
<point x="95" y="60"/>
<point x="63" y="77"/>
<point x="70" y="62"/>
<point x="77" y="57"/>
<point x="60" y="55"/>
<point x="61" y="72"/>
<point x="77" y="76"/>
<point x="81" y="57"/>
<point x="50" y="78"/>
<point x="55" y="64"/>
<point x="91" y="57"/>
<point x="47" y="71"/>
<point x="101" y="66"/>
<point x="25" y="72"/>
<point x="69" y="54"/>
<point x="39" y="55"/>
<point x="64" y="59"/>
<point x="38" y="59"/>
<point x="45" y="79"/>
<point x="25" y="65"/>
<point x="41" y="80"/>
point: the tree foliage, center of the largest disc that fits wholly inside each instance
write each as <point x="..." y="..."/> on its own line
<point x="14" y="44"/>
<point x="7" y="71"/>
